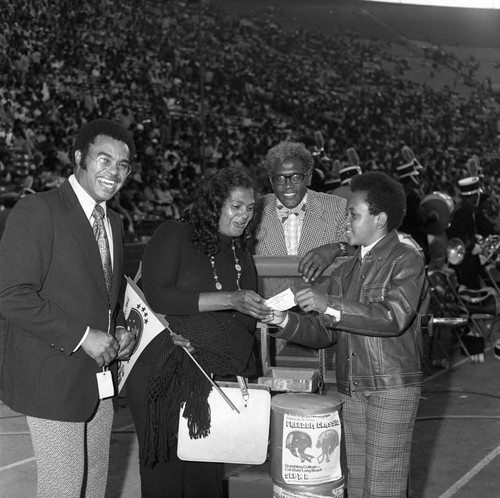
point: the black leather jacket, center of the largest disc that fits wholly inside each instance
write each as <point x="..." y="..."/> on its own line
<point x="378" y="336"/>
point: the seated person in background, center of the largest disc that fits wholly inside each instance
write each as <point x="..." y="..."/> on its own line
<point x="371" y="310"/>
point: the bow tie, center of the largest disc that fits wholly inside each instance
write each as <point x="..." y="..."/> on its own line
<point x="284" y="213"/>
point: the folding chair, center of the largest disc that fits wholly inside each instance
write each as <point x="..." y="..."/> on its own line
<point x="482" y="306"/>
<point x="481" y="316"/>
<point x="493" y="277"/>
<point x="448" y="314"/>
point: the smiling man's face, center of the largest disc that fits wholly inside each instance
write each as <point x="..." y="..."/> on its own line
<point x="102" y="184"/>
<point x="290" y="194"/>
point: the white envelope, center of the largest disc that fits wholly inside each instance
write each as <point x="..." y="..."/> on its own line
<point x="282" y="301"/>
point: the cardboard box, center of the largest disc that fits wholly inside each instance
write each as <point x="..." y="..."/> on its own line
<point x="290" y="379"/>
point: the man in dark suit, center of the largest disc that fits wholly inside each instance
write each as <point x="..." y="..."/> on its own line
<point x="61" y="259"/>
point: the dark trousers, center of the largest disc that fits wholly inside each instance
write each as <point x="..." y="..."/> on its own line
<point x="175" y="478"/>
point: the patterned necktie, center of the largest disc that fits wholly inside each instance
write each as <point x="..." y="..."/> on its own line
<point x="102" y="240"/>
<point x="284" y="213"/>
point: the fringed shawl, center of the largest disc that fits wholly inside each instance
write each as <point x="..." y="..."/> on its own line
<point x="223" y="346"/>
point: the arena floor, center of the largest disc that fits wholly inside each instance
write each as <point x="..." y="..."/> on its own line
<point x="455" y="452"/>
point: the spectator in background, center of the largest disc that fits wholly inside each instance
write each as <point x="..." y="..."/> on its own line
<point x="467" y="223"/>
<point x="368" y="97"/>
<point x="7" y="202"/>
<point x="346" y="174"/>
<point x="409" y="176"/>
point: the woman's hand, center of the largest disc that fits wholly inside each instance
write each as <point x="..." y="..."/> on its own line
<point x="277" y="318"/>
<point x="310" y="300"/>
<point x="182" y="342"/>
<point x="250" y="303"/>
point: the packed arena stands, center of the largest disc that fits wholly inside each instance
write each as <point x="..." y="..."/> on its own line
<point x="142" y="62"/>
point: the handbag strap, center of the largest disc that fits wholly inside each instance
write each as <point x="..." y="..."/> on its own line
<point x="242" y="382"/>
<point x="322" y="370"/>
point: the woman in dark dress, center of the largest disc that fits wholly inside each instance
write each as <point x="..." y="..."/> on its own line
<point x="199" y="274"/>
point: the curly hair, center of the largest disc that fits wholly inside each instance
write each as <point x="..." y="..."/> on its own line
<point x="91" y="130"/>
<point x="287" y="151"/>
<point x="383" y="194"/>
<point x="205" y="212"/>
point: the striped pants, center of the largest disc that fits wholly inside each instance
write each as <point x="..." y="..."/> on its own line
<point x="378" y="430"/>
<point x="72" y="457"/>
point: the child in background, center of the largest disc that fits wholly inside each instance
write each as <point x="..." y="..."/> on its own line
<point x="372" y="312"/>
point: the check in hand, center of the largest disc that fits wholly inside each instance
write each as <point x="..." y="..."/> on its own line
<point x="282" y="301"/>
<point x="250" y="303"/>
<point x="279" y="304"/>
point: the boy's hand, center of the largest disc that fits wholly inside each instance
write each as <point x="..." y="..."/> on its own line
<point x="310" y="300"/>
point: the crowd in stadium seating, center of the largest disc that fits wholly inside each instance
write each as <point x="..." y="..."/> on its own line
<point x="64" y="62"/>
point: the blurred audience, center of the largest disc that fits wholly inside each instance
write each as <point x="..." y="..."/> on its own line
<point x="140" y="63"/>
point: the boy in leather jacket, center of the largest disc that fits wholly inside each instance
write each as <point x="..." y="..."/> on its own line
<point x="372" y="312"/>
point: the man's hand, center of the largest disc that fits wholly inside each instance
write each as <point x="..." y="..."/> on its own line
<point x="126" y="341"/>
<point x="317" y="260"/>
<point x="101" y="346"/>
<point x="250" y="303"/>
<point x="310" y="300"/>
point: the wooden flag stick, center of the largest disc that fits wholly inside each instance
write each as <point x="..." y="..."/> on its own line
<point x="216" y="387"/>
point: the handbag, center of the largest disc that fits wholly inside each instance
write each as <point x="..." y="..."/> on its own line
<point x="238" y="434"/>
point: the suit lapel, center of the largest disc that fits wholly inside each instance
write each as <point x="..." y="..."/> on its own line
<point x="116" y="228"/>
<point x="313" y="226"/>
<point x="274" y="238"/>
<point x="78" y="224"/>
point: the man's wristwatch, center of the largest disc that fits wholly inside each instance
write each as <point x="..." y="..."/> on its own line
<point x="343" y="249"/>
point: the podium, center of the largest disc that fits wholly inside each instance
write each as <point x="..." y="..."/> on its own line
<point x="276" y="274"/>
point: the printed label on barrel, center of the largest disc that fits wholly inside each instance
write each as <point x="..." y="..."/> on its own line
<point x="330" y="490"/>
<point x="311" y="448"/>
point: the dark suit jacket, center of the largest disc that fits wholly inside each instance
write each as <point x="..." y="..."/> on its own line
<point x="51" y="287"/>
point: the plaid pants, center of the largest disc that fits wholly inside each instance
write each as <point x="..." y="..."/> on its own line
<point x="378" y="430"/>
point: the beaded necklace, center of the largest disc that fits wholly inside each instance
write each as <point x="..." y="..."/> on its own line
<point x="237" y="267"/>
